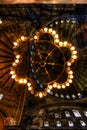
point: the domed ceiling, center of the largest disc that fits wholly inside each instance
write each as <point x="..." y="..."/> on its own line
<point x="42" y="62"/>
<point x="45" y="63"/>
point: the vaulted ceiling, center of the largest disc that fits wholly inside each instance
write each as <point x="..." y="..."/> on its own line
<point x="70" y="21"/>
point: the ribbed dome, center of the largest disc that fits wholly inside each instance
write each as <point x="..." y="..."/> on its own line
<point x="69" y="30"/>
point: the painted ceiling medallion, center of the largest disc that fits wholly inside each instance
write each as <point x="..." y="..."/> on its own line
<point x="49" y="61"/>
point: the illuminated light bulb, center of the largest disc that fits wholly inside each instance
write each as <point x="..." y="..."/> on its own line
<point x="60" y="43"/>
<point x="35" y="37"/>
<point x="74" y="57"/>
<point x="53" y="32"/>
<point x="25" y="81"/>
<point x="14" y="64"/>
<point x="70" y="72"/>
<point x="28" y="84"/>
<point x="50" y="86"/>
<point x="67" y="84"/>
<point x="63" y="86"/>
<point x="29" y="88"/>
<point x="40" y="94"/>
<point x="22" y="38"/>
<point x="15" y="43"/>
<point x="56" y="22"/>
<point x="13" y="76"/>
<point x="65" y="43"/>
<point x="50" y="30"/>
<point x="0" y="21"/>
<point x="71" y="76"/>
<point x="57" y="40"/>
<point x="58" y="86"/>
<point x="45" y="29"/>
<point x="74" y="52"/>
<point x="67" y="21"/>
<point x="68" y="64"/>
<point x="55" y="85"/>
<point x="17" y="61"/>
<point x="48" y="90"/>
<point x="12" y="72"/>
<point x="17" y="56"/>
<point x="72" y="48"/>
<point x="62" y="21"/>
<point x="70" y="81"/>
<point x="21" y="81"/>
<point x="56" y="36"/>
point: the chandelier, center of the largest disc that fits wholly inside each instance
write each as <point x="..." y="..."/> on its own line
<point x="48" y="61"/>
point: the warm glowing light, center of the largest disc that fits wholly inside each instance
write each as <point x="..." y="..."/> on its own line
<point x="29" y="88"/>
<point x="22" y="38"/>
<point x="60" y="43"/>
<point x="25" y="81"/>
<point x="53" y="32"/>
<point x="55" y="85"/>
<point x="50" y="86"/>
<point x="13" y="76"/>
<point x="40" y="94"/>
<point x="12" y="72"/>
<point x="0" y="21"/>
<point x="74" y="52"/>
<point x="63" y="86"/>
<point x="56" y="36"/>
<point x="48" y="90"/>
<point x="72" y="48"/>
<point x="71" y="76"/>
<point x="74" y="57"/>
<point x="65" y="43"/>
<point x="62" y="21"/>
<point x="17" y="61"/>
<point x="17" y="56"/>
<point x="67" y="84"/>
<point x="68" y="64"/>
<point x="14" y="64"/>
<point x="58" y="86"/>
<point x="70" y="72"/>
<point x="45" y="29"/>
<point x="57" y="40"/>
<point x="70" y="81"/>
<point x="50" y="30"/>
<point x="35" y="37"/>
<point x="28" y="84"/>
<point x="21" y="81"/>
<point x="15" y="43"/>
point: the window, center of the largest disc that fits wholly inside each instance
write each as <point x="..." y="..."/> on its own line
<point x="46" y="124"/>
<point x="58" y="124"/>
<point x="76" y="113"/>
<point x="1" y="96"/>
<point x="56" y="115"/>
<point x="70" y="123"/>
<point x="79" y="95"/>
<point x="67" y="96"/>
<point x="62" y="96"/>
<point x="85" y="113"/>
<point x="73" y="96"/>
<point x="82" y="123"/>
<point x="67" y="114"/>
